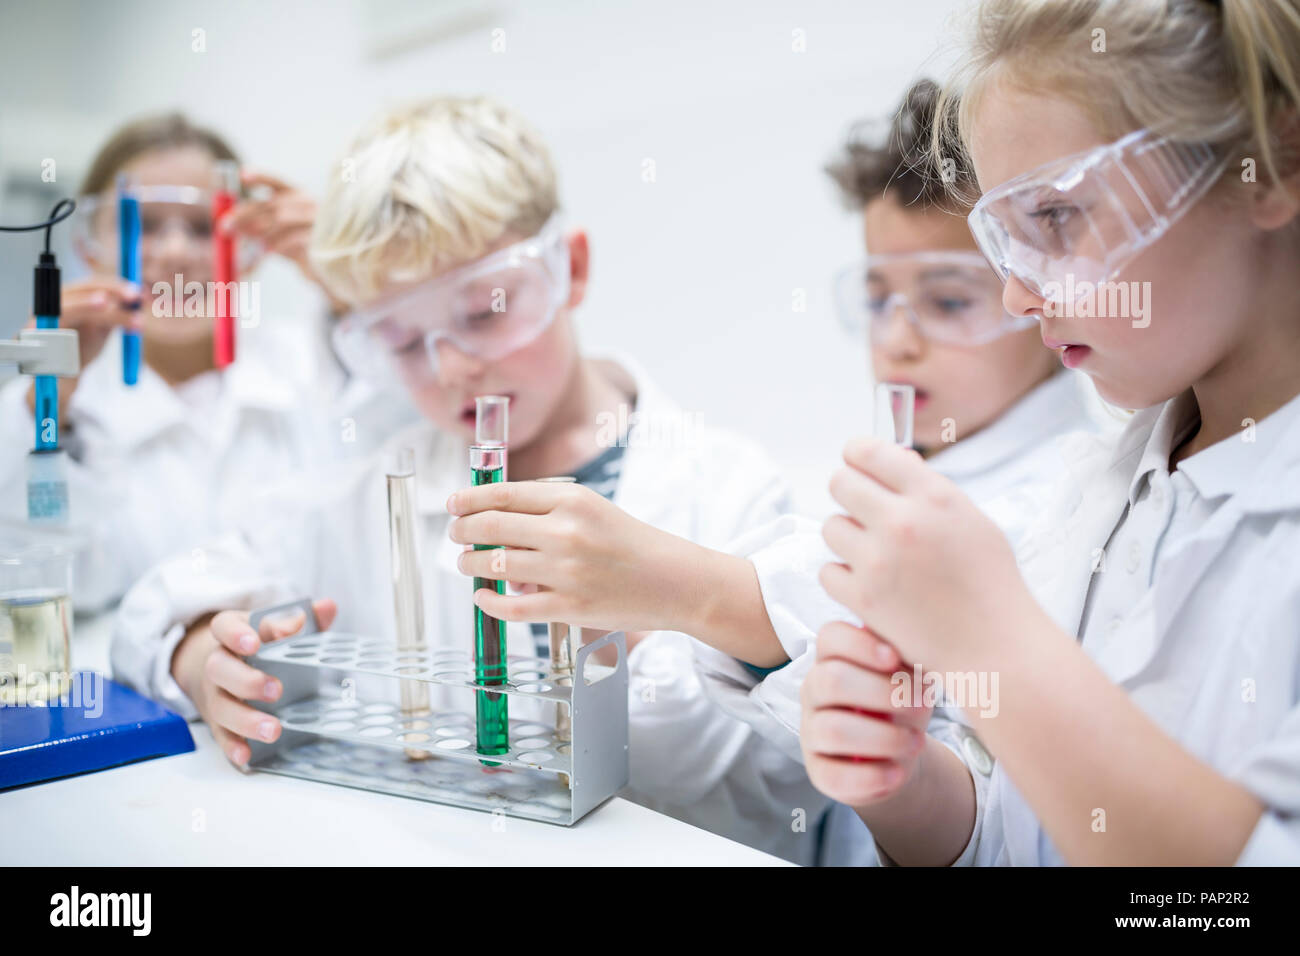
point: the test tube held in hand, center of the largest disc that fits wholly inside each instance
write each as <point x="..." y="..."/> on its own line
<point x="895" y="406"/>
<point x="224" y="272"/>
<point x="487" y="466"/>
<point x="408" y="593"/>
<point x="128" y="251"/>
<point x="564" y="652"/>
<point x="492" y="425"/>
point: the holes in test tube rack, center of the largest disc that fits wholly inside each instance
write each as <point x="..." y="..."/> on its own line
<point x="413" y="737"/>
<point x="452" y="743"/>
<point x="379" y="708"/>
<point x="531" y="743"/>
<point x="336" y="659"/>
<point x="336" y="726"/>
<point x="535" y="688"/>
<point x="532" y="730"/>
<point x="382" y="731"/>
<point x="536" y="757"/>
<point x="376" y="720"/>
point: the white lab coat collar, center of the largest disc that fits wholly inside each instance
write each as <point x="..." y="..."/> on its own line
<point x="127" y="416"/>
<point x="1058" y="559"/>
<point x="1053" y="407"/>
<point x="1238" y="464"/>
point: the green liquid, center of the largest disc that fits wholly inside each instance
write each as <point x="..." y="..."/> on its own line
<point x="491" y="711"/>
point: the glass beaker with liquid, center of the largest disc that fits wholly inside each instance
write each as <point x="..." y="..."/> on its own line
<point x="35" y="621"/>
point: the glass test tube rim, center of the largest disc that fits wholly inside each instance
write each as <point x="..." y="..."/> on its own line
<point x="491" y="415"/>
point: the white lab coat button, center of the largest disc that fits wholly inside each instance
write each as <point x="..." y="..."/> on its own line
<point x="976" y="755"/>
<point x="1134" y="558"/>
<point x="1115" y="622"/>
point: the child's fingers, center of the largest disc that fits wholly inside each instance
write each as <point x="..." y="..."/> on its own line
<point x="858" y="645"/>
<point x="507" y="564"/>
<point x="542" y="606"/>
<point x="890" y="466"/>
<point x="326" y="609"/>
<point x="861" y="495"/>
<point x="232" y="745"/>
<point x="240" y="679"/>
<point x="239" y="718"/>
<point x="839" y="581"/>
<point x="260" y="177"/>
<point x="845" y="537"/>
<point x="521" y="497"/>
<point x="837" y="683"/>
<point x="502" y="528"/>
<point x="232" y="632"/>
<point x="853" y="783"/>
<point x="844" y="733"/>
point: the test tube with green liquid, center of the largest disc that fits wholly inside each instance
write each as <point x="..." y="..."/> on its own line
<point x="487" y="462"/>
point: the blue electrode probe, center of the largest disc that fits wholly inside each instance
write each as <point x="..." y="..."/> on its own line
<point x="128" y="230"/>
<point x="48" y="352"/>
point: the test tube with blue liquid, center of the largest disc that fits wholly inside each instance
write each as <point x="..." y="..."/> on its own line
<point x="487" y="462"/>
<point x="128" y="228"/>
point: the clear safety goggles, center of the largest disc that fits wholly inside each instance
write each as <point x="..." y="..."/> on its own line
<point x="1089" y="215"/>
<point x="487" y="308"/>
<point x="175" y="222"/>
<point x="949" y="297"/>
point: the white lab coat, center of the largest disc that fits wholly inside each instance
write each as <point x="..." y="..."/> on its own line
<point x="153" y="470"/>
<point x="1009" y="469"/>
<point x="328" y="537"/>
<point x="1211" y="652"/>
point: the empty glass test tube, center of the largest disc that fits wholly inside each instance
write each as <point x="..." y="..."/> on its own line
<point x="408" y="591"/>
<point x="893" y="413"/>
<point x="563" y="641"/>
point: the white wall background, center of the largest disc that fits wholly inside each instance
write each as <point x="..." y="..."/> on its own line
<point x="695" y="273"/>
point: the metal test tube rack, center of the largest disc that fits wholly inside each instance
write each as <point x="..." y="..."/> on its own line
<point x="343" y="724"/>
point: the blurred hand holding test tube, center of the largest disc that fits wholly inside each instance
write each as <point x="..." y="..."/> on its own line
<point x="128" y="227"/>
<point x="224" y="270"/>
<point x="408" y="585"/>
<point x="487" y="462"/>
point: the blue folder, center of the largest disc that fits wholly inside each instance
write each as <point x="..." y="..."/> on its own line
<point x="98" y="725"/>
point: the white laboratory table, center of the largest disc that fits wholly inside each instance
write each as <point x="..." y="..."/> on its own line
<point x="197" y="809"/>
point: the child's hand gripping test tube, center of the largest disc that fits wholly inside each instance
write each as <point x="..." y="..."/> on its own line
<point x="487" y="461"/>
<point x="892" y="420"/>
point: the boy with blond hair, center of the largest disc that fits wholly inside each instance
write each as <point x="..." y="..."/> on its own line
<point x="441" y="228"/>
